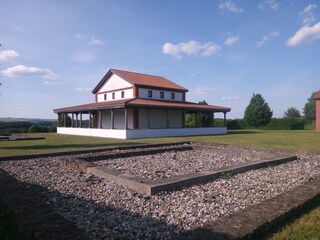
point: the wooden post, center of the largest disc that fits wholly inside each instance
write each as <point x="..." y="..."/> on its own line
<point x="80" y="125"/>
<point x="58" y="123"/>
<point x="89" y="120"/>
<point x="225" y="119"/>
<point x="112" y="119"/>
<point x="198" y="119"/>
<point x="167" y="118"/>
<point x="148" y="119"/>
<point x="210" y="119"/>
<point x="65" y="119"/>
<point x="77" y="120"/>
<point x="135" y="118"/>
<point x="100" y="119"/>
<point x="125" y="118"/>
<point x="183" y="119"/>
<point x="213" y="119"/>
<point x="72" y="120"/>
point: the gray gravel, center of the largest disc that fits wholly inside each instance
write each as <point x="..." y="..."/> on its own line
<point x="105" y="210"/>
<point x="172" y="163"/>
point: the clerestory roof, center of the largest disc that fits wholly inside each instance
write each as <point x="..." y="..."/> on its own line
<point x="142" y="80"/>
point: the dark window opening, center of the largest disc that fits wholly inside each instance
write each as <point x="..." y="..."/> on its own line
<point x="172" y="95"/>
<point x="122" y="94"/>
<point x="149" y="93"/>
<point x="105" y="96"/>
<point x="113" y="95"/>
<point x="161" y="94"/>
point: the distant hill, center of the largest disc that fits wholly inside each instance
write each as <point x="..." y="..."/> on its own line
<point x="32" y="120"/>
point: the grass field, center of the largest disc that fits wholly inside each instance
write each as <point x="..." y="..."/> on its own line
<point x="306" y="227"/>
<point x="286" y="139"/>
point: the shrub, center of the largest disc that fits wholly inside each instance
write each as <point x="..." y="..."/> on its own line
<point x="285" y="124"/>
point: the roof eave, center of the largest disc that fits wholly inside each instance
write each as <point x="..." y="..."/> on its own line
<point x="85" y="109"/>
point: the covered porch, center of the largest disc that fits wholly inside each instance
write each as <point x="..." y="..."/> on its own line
<point x="140" y="119"/>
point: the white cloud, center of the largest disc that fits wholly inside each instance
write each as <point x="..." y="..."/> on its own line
<point x="82" y="89"/>
<point x="8" y="55"/>
<point x="231" y="40"/>
<point x="307" y="14"/>
<point x="229" y="98"/>
<point x="90" y="40"/>
<point x="305" y="34"/>
<point x="203" y="90"/>
<point x="272" y="4"/>
<point x="95" y="41"/>
<point x="24" y="71"/>
<point x="190" y="48"/>
<point x="230" y="6"/>
<point x="266" y="38"/>
<point x="83" y="57"/>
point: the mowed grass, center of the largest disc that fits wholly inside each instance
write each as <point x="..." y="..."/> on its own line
<point x="292" y="140"/>
<point x="306" y="227"/>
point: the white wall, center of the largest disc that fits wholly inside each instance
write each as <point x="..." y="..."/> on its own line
<point x="118" y="119"/>
<point x="143" y="93"/>
<point x="138" y="133"/>
<point x="115" y="82"/>
<point x="128" y="93"/>
<point x="175" y="119"/>
<point x="174" y="132"/>
<point x="93" y="132"/>
<point x="158" y="118"/>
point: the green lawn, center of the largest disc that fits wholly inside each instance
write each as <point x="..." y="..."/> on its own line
<point x="306" y="227"/>
<point x="286" y="139"/>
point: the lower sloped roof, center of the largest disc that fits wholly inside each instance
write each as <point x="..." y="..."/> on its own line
<point x="142" y="103"/>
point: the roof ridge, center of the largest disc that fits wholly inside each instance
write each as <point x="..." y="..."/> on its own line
<point x="138" y="73"/>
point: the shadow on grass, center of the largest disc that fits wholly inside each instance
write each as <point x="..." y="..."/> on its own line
<point x="68" y="146"/>
<point x="234" y="132"/>
<point x="108" y="221"/>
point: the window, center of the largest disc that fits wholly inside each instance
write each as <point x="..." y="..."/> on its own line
<point x="105" y="97"/>
<point x="149" y="93"/>
<point x="122" y="94"/>
<point x="172" y="95"/>
<point x="161" y="94"/>
<point x="113" y="95"/>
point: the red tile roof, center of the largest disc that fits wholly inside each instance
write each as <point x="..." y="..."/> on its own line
<point x="142" y="103"/>
<point x="175" y="105"/>
<point x="92" y="106"/>
<point x="316" y="95"/>
<point x="139" y="79"/>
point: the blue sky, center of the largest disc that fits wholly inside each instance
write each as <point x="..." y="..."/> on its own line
<point x="53" y="53"/>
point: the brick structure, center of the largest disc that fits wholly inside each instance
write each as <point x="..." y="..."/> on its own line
<point x="316" y="96"/>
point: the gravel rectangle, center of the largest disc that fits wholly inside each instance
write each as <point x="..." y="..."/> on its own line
<point x="105" y="210"/>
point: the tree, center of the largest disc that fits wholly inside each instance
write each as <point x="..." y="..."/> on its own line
<point x="257" y="113"/>
<point x="61" y="120"/>
<point x="204" y="117"/>
<point x="292" y="113"/>
<point x="309" y="110"/>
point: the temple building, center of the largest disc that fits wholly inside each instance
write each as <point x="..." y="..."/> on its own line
<point x="134" y="105"/>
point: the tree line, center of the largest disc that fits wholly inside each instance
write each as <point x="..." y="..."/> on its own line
<point x="27" y="127"/>
<point x="259" y="115"/>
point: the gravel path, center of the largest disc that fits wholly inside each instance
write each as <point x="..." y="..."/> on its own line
<point x="107" y="211"/>
<point x="172" y="163"/>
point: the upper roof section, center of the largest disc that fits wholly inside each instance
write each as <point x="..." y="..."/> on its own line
<point x="316" y="95"/>
<point x="142" y="80"/>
